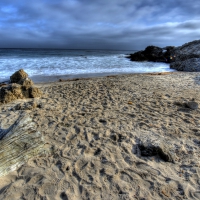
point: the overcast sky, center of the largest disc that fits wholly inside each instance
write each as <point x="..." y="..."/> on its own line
<point x="98" y="24"/>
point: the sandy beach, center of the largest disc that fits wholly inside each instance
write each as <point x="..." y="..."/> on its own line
<point x="94" y="128"/>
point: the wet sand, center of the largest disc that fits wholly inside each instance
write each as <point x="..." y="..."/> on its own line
<point x="94" y="128"/>
<point x="49" y="79"/>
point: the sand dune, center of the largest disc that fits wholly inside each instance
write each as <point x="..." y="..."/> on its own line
<point x="94" y="128"/>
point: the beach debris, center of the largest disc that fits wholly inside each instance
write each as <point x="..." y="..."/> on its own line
<point x="130" y="102"/>
<point x="21" y="87"/>
<point x="18" y="143"/>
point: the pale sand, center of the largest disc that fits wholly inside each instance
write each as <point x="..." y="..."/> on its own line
<point x="94" y="127"/>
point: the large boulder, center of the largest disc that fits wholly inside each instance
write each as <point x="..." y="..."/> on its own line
<point x="21" y="90"/>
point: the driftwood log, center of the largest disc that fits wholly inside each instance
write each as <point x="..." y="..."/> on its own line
<point x="19" y="143"/>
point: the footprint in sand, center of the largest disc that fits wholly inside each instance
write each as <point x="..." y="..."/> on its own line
<point x="147" y="168"/>
<point x="125" y="177"/>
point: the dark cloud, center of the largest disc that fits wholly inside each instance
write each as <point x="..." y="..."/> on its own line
<point x="130" y="24"/>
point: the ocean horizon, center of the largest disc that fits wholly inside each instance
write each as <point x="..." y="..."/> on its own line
<point x="72" y="63"/>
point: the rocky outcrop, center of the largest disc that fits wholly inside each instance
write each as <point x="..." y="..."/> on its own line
<point x="183" y="58"/>
<point x="21" y="87"/>
<point x="154" y="54"/>
<point x="189" y="48"/>
<point x="187" y="57"/>
<point x="188" y="65"/>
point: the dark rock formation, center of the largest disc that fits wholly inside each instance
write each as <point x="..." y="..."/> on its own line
<point x="183" y="58"/>
<point x="188" y="65"/>
<point x="21" y="87"/>
<point x="189" y="48"/>
<point x="154" y="54"/>
<point x="187" y="57"/>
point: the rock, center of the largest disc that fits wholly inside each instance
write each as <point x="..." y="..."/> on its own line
<point x="154" y="54"/>
<point x="183" y="58"/>
<point x="187" y="57"/>
<point x="192" y="104"/>
<point x="18" y="76"/>
<point x="22" y="89"/>
<point x="189" y="48"/>
<point x="188" y="65"/>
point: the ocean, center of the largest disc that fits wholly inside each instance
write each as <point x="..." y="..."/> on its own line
<point x="47" y="63"/>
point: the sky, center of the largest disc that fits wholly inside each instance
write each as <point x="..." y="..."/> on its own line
<point x="98" y="24"/>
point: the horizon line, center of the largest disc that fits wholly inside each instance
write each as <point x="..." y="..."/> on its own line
<point x="65" y="49"/>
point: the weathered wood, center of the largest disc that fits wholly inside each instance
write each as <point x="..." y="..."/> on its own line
<point x="19" y="143"/>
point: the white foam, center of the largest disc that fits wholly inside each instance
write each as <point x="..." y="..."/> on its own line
<point x="71" y="65"/>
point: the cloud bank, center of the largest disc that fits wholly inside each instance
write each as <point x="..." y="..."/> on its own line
<point x="99" y="24"/>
